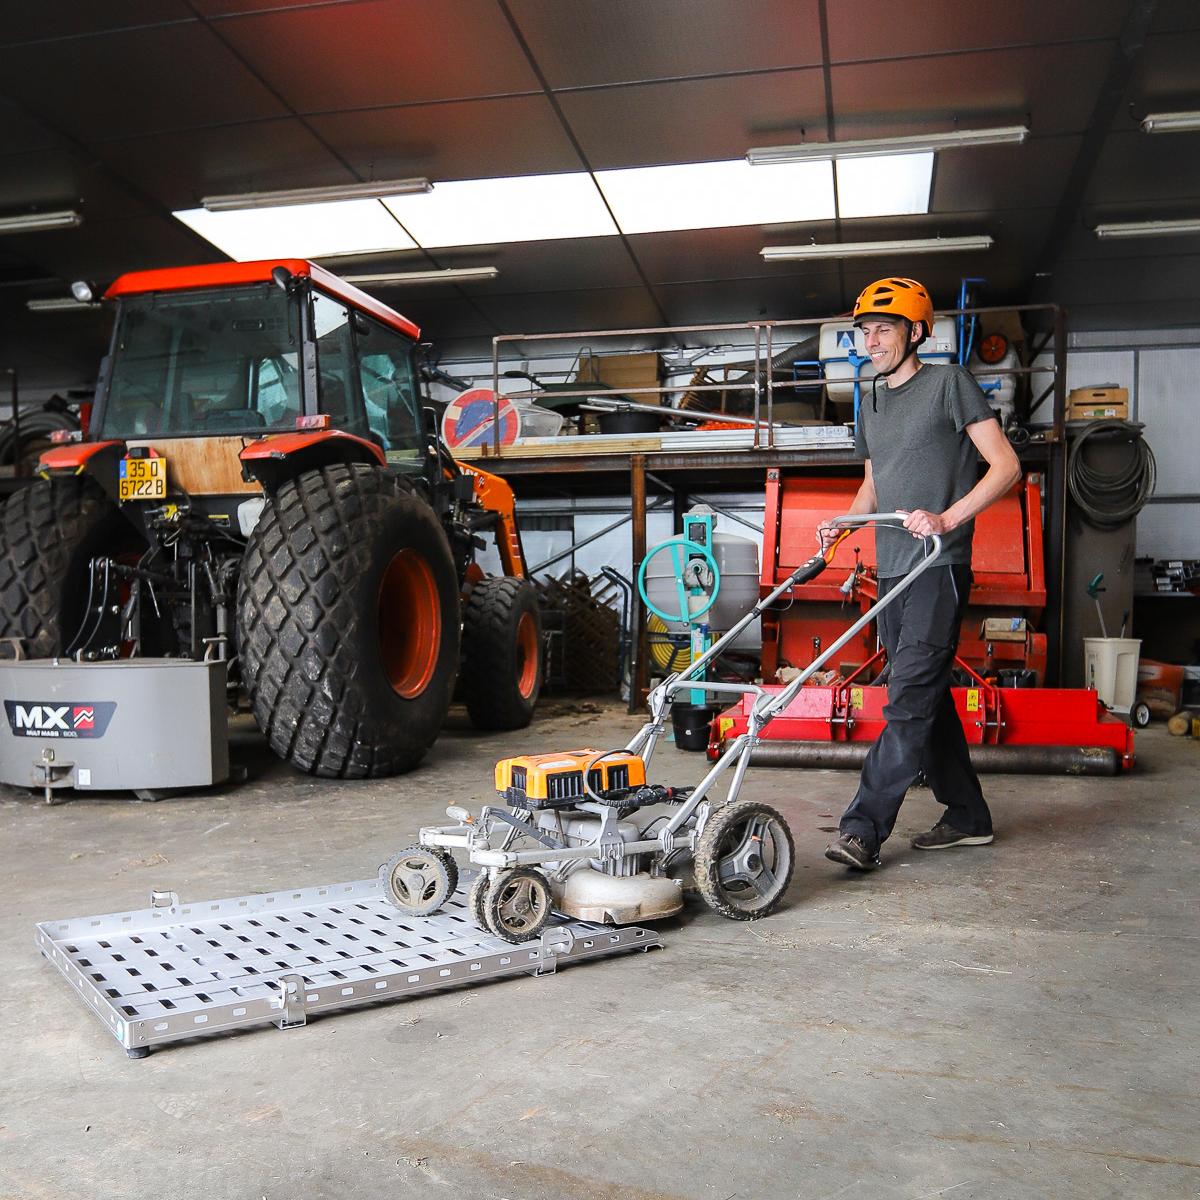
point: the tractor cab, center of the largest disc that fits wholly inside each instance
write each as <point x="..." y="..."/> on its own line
<point x="251" y="349"/>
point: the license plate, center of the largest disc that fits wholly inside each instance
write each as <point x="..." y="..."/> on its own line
<point x="143" y="479"/>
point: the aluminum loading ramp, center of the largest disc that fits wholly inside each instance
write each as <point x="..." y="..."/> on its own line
<point x="174" y="971"/>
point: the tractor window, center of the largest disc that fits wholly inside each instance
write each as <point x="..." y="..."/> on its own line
<point x="389" y="389"/>
<point x="337" y="378"/>
<point x="218" y="361"/>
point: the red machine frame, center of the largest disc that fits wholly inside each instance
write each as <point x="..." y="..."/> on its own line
<point x="1010" y="578"/>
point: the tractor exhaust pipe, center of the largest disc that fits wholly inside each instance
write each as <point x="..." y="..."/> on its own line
<point x="1008" y="760"/>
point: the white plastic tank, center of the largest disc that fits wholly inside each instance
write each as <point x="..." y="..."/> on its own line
<point x="841" y="344"/>
<point x="737" y="560"/>
<point x="1000" y="390"/>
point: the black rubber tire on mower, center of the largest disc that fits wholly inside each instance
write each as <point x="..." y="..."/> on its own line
<point x="317" y="655"/>
<point x="49" y="532"/>
<point x="502" y="629"/>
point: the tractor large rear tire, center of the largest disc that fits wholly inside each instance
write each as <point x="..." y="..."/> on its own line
<point x="348" y="623"/>
<point x="49" y="532"/>
<point x="502" y="653"/>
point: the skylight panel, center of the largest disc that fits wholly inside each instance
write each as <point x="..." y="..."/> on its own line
<point x="715" y="195"/>
<point x="300" y="230"/>
<point x="884" y="185"/>
<point x="485" y="212"/>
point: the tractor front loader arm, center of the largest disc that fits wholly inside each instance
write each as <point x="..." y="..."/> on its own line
<point x="494" y="494"/>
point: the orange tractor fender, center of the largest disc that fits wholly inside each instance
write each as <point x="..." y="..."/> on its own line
<point x="273" y="460"/>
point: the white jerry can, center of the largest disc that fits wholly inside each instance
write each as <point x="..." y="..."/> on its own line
<point x="844" y="359"/>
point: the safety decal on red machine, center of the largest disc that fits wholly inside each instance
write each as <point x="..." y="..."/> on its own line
<point x="46" y="719"/>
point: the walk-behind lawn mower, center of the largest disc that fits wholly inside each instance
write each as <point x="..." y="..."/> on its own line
<point x="584" y="832"/>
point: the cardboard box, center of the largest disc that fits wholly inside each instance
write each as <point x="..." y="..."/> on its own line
<point x="1098" y="404"/>
<point x="622" y="371"/>
<point x="1004" y="629"/>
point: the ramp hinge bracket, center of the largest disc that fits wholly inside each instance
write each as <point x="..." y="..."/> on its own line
<point x="552" y="945"/>
<point x="291" y="1001"/>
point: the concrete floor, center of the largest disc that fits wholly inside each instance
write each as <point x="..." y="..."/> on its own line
<point x="1013" y="1021"/>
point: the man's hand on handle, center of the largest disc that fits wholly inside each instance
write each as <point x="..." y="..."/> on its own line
<point x="924" y="524"/>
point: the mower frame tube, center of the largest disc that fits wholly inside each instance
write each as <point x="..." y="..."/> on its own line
<point x="766" y="708"/>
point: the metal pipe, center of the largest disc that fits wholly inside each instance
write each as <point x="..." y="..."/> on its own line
<point x="1007" y="760"/>
<point x="604" y="404"/>
<point x="591" y="537"/>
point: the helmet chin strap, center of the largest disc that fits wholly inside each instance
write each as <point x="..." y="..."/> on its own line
<point x="912" y="349"/>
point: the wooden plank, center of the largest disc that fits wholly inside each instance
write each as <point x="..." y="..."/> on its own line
<point x="204" y="466"/>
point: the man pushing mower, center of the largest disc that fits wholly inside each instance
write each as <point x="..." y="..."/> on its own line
<point x="918" y="435"/>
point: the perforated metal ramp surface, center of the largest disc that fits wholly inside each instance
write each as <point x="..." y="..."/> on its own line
<point x="174" y="970"/>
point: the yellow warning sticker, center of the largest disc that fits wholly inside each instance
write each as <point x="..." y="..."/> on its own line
<point x="972" y="699"/>
<point x="725" y="725"/>
<point x="856" y="697"/>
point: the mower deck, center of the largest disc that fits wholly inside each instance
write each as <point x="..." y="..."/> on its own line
<point x="173" y="971"/>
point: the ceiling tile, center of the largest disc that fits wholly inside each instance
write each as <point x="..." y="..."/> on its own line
<point x="380" y="53"/>
<point x="585" y="42"/>
<point x="125" y="84"/>
<point x="50" y="179"/>
<point x="60" y="19"/>
<point x="1052" y="89"/>
<point x="655" y="123"/>
<point x="1154" y="171"/>
<point x="20" y="132"/>
<point x="471" y="139"/>
<point x="978" y="178"/>
<point x="919" y="27"/>
<point x="553" y="312"/>
<point x="177" y="169"/>
<point x="1166" y="76"/>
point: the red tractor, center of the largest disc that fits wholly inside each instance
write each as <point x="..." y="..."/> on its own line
<point x="261" y="483"/>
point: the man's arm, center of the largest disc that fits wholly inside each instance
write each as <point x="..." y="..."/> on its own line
<point x="863" y="502"/>
<point x="1003" y="471"/>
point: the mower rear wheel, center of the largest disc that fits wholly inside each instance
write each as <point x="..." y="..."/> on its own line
<point x="49" y="533"/>
<point x="744" y="860"/>
<point x="348" y="623"/>
<point x="502" y="653"/>
<point x="517" y="904"/>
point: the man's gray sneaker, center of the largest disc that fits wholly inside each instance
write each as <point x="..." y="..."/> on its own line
<point x="943" y="836"/>
<point x="854" y="852"/>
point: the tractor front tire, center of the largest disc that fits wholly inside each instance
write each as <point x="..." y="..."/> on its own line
<point x="49" y="533"/>
<point x="502" y="653"/>
<point x="348" y="623"/>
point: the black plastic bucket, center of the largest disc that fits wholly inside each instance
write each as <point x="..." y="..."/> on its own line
<point x="691" y="723"/>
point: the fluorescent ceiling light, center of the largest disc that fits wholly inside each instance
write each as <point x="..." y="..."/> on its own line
<point x="1172" y="122"/>
<point x="315" y="195"/>
<point x="881" y="187"/>
<point x="717" y="195"/>
<point x="1139" y="229"/>
<point x="450" y="275"/>
<point x="59" y="304"/>
<point x="488" y="212"/>
<point x="34" y="222"/>
<point x="301" y="231"/>
<point x="1009" y="135"/>
<point x="877" y="249"/>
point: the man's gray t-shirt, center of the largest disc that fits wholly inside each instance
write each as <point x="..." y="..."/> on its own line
<point x="921" y="457"/>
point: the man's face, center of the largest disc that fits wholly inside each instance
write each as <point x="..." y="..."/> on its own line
<point x="886" y="341"/>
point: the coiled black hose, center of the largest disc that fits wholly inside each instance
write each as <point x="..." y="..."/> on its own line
<point x="1108" y="499"/>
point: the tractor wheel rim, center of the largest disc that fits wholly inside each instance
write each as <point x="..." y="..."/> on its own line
<point x="527" y="655"/>
<point x="410" y="624"/>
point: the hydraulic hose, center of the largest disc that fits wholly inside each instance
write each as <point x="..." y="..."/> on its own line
<point x="1109" y="499"/>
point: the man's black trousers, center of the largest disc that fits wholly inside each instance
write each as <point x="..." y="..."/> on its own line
<point x="919" y="631"/>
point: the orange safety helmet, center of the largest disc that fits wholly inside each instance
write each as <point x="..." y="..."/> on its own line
<point x="895" y="297"/>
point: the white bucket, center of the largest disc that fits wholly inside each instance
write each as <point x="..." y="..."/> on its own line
<point x="1110" y="665"/>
